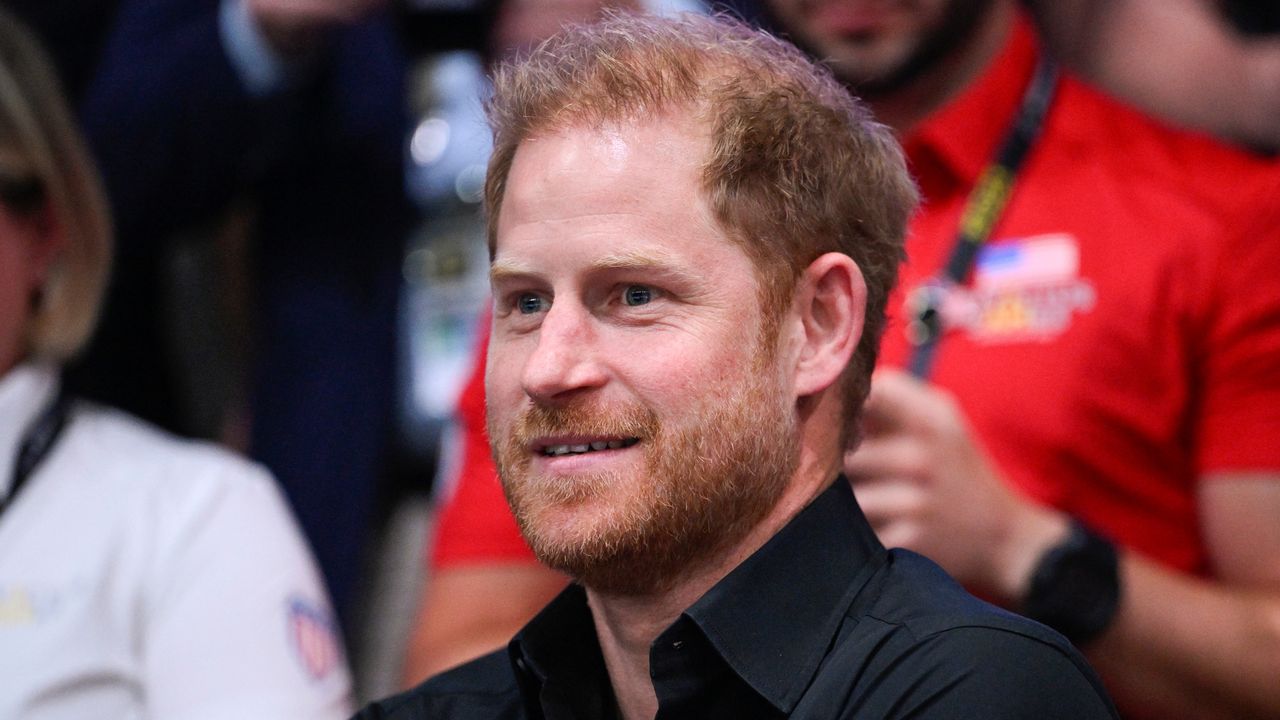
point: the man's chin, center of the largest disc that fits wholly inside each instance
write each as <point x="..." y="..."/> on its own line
<point x="602" y="550"/>
<point x="559" y="528"/>
<point x="619" y="571"/>
<point x="871" y="69"/>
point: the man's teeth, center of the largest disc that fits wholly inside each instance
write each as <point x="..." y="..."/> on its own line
<point x="553" y="450"/>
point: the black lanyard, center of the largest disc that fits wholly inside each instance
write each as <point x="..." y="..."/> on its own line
<point x="36" y="444"/>
<point x="985" y="205"/>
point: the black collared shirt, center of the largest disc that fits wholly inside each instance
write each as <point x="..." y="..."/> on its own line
<point x="822" y="622"/>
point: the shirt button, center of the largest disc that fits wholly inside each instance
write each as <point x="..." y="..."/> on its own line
<point x="677" y="644"/>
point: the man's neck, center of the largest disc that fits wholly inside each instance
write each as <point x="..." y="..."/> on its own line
<point x="905" y="107"/>
<point x="626" y="626"/>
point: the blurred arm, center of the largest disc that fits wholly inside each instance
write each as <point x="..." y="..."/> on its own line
<point x="1175" y="58"/>
<point x="469" y="611"/>
<point x="1179" y="646"/>
<point x="1186" y="647"/>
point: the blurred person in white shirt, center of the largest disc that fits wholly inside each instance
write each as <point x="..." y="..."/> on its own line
<point x="140" y="576"/>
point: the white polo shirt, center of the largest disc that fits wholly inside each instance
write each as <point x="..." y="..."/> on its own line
<point x="142" y="576"/>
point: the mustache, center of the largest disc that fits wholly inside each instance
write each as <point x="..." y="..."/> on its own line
<point x="625" y="421"/>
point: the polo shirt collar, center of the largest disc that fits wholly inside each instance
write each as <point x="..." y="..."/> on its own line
<point x="24" y="392"/>
<point x="771" y="620"/>
<point x="963" y="135"/>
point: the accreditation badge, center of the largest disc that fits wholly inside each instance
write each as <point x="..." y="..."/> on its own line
<point x="1022" y="290"/>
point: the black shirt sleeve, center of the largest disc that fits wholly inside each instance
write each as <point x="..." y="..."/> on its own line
<point x="483" y="689"/>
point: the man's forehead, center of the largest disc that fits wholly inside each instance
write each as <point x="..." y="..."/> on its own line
<point x="648" y="173"/>
<point x="677" y="139"/>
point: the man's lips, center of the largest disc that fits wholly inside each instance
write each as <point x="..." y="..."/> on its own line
<point x="556" y="447"/>
<point x="842" y="17"/>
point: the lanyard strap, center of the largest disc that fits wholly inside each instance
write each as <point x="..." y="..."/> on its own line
<point x="982" y="211"/>
<point x="37" y="443"/>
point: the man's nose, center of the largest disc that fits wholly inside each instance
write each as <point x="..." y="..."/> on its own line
<point x="565" y="361"/>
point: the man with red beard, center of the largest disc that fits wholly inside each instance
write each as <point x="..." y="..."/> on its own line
<point x="693" y="234"/>
<point x="1093" y="441"/>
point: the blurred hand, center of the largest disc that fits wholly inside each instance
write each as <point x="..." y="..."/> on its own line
<point x="294" y="26"/>
<point x="926" y="484"/>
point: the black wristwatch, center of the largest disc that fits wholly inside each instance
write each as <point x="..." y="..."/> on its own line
<point x="1075" y="587"/>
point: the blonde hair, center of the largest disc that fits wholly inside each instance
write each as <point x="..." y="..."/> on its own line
<point x="45" y="168"/>
<point x="797" y="166"/>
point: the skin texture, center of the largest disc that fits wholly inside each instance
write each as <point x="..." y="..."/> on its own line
<point x="1175" y="58"/>
<point x="875" y="45"/>
<point x="915" y="473"/>
<point x="589" y="215"/>
<point x="28" y="249"/>
<point x="905" y="57"/>
<point x="708" y="448"/>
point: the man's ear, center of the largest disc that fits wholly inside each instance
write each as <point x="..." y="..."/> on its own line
<point x="830" y="304"/>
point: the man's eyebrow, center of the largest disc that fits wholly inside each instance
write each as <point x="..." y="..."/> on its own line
<point x="661" y="262"/>
<point x="500" y="270"/>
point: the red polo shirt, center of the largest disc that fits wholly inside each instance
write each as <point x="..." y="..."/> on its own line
<point x="1120" y="336"/>
<point x="474" y="524"/>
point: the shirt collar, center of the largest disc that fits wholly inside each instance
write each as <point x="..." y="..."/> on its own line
<point x="24" y="392"/>
<point x="963" y="135"/>
<point x="559" y="650"/>
<point x="771" y="619"/>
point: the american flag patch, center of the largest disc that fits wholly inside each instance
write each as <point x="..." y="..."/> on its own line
<point x="1029" y="262"/>
<point x="314" y="637"/>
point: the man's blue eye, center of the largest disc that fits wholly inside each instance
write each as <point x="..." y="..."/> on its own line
<point x="637" y="295"/>
<point x="529" y="303"/>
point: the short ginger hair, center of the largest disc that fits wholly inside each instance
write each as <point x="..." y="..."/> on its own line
<point x="797" y="166"/>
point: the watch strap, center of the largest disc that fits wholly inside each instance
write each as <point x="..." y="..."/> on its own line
<point x="1075" y="587"/>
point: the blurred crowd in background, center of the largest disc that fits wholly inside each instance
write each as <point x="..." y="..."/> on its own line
<point x="300" y="268"/>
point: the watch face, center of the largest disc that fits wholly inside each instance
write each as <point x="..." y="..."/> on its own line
<point x="1075" y="588"/>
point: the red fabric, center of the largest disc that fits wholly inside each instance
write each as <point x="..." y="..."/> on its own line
<point x="1168" y="364"/>
<point x="474" y="525"/>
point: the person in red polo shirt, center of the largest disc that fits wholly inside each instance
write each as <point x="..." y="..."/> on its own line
<point x="1081" y="425"/>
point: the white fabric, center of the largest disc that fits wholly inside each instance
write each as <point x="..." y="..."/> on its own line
<point x="142" y="576"/>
